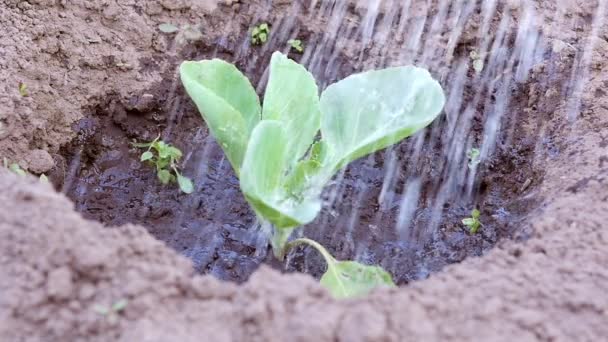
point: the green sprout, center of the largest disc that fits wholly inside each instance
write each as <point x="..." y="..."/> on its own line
<point x="260" y="33"/>
<point x="23" y="89"/>
<point x="474" y="157"/>
<point x="296" y="44"/>
<point x="16" y="169"/>
<point x="478" y="62"/>
<point x="111" y="312"/>
<point x="276" y="152"/>
<point x="165" y="157"/>
<point x="473" y="222"/>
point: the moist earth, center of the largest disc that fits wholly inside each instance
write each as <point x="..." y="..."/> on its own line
<point x="100" y="75"/>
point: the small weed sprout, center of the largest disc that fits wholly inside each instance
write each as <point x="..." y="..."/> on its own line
<point x="111" y="313"/>
<point x="473" y="222"/>
<point x="165" y="157"/>
<point x="260" y="34"/>
<point x="16" y="169"/>
<point x="168" y="28"/>
<point x="23" y="90"/>
<point x="474" y="157"/>
<point x="477" y="61"/>
<point x="296" y="44"/>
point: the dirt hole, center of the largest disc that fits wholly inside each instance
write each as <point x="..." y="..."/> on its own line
<point x="214" y="227"/>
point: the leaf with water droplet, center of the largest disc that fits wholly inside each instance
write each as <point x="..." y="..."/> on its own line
<point x="390" y="105"/>
<point x="223" y="94"/>
<point x="263" y="175"/>
<point x="294" y="104"/>
<point x="168" y="28"/>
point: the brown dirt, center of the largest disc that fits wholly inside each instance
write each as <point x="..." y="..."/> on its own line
<point x="56" y="267"/>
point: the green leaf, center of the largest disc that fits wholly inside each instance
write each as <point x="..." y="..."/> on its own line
<point x="263" y="175"/>
<point x="23" y="90"/>
<point x="146" y="156"/>
<point x="100" y="309"/>
<point x="373" y="110"/>
<point x="168" y="28"/>
<point x="164" y="176"/>
<point x="318" y="152"/>
<point x="227" y="102"/>
<point x="44" y="178"/>
<point x="292" y="97"/>
<point x="17" y="169"/>
<point x="120" y="305"/>
<point x="185" y="184"/>
<point x="475" y="213"/>
<point x="469" y="222"/>
<point x="348" y="279"/>
<point x="300" y="178"/>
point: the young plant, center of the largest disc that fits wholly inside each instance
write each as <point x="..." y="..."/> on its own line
<point x="166" y="158"/>
<point x="473" y="222"/>
<point x="275" y="151"/>
<point x="296" y="44"/>
<point x="23" y="90"/>
<point x="16" y="169"/>
<point x="260" y="33"/>
<point x="112" y="312"/>
<point x="473" y="154"/>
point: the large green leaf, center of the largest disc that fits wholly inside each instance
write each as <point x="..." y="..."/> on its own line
<point x="263" y="177"/>
<point x="292" y="97"/>
<point x="370" y="111"/>
<point x="347" y="279"/>
<point x="227" y="102"/>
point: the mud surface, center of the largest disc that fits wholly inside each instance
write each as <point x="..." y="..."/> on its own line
<point x="62" y="274"/>
<point x="214" y="227"/>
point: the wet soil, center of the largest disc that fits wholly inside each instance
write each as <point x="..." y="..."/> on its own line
<point x="214" y="227"/>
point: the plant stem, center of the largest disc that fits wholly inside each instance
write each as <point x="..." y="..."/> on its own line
<point x="279" y="240"/>
<point x="329" y="259"/>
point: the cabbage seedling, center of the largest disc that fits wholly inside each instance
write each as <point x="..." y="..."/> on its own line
<point x="283" y="162"/>
<point x="165" y="157"/>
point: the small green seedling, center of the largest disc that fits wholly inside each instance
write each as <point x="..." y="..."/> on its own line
<point x="477" y="61"/>
<point x="111" y="313"/>
<point x="165" y="157"/>
<point x="473" y="222"/>
<point x="23" y="89"/>
<point x="260" y="33"/>
<point x="474" y="157"/>
<point x="16" y="169"/>
<point x="168" y="28"/>
<point x="296" y="44"/>
<point x="276" y="152"/>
